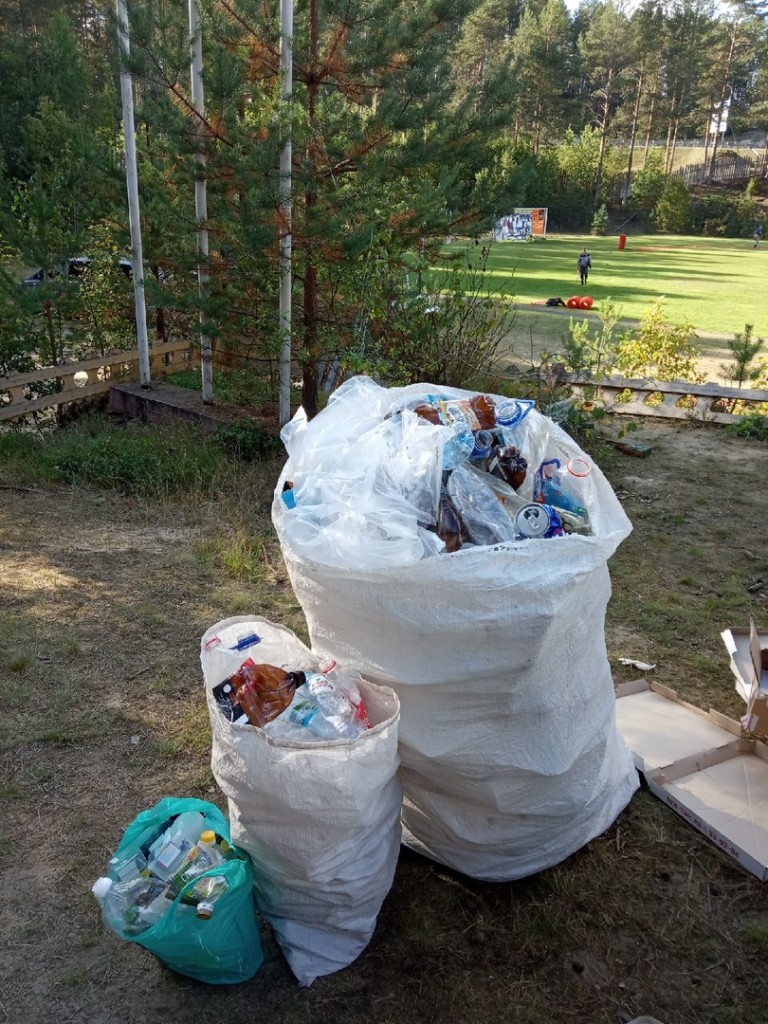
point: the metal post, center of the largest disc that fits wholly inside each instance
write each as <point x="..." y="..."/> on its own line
<point x="286" y="237"/>
<point x="201" y="197"/>
<point x="132" y="184"/>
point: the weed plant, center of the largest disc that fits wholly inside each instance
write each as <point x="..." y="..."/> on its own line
<point x="137" y="460"/>
<point x="753" y="426"/>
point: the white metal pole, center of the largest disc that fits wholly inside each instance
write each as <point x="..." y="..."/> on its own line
<point x="201" y="197"/>
<point x="132" y="185"/>
<point x="286" y="237"/>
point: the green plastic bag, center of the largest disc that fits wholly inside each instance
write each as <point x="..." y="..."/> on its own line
<point x="223" y="950"/>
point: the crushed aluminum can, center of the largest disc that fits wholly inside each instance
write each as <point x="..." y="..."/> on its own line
<point x="534" y="521"/>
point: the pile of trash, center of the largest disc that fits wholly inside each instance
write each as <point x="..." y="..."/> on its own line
<point x="309" y="765"/>
<point x="178" y="886"/>
<point x="453" y="547"/>
<point x="390" y="477"/>
<point x="293" y="705"/>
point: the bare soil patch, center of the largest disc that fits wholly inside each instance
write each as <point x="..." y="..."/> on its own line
<point x="104" y="601"/>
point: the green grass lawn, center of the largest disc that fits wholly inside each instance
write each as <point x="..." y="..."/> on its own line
<point x="718" y="283"/>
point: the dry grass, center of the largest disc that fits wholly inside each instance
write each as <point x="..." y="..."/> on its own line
<point x="103" y="713"/>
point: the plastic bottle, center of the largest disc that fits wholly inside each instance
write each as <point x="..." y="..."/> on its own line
<point x="169" y="851"/>
<point x="451" y="528"/>
<point x="203" y="856"/>
<point x="563" y="485"/>
<point x="484" y="441"/>
<point x="511" y="413"/>
<point x="480" y="508"/>
<point x="478" y="411"/>
<point x="458" y="446"/>
<point x="211" y="847"/>
<point x="335" y="705"/>
<point x="509" y="465"/>
<point x="346" y="681"/>
<point x="207" y="890"/>
<point x="307" y="714"/>
<point x="131" y="906"/>
<point x="264" y="691"/>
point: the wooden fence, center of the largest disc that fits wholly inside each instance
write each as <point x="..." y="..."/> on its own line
<point x="53" y="387"/>
<point x="727" y="168"/>
<point x="677" y="400"/>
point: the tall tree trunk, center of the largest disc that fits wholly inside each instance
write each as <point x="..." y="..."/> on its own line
<point x="723" y="95"/>
<point x="710" y="115"/>
<point x="309" y="391"/>
<point x="649" y="126"/>
<point x="633" y="130"/>
<point x="604" y="127"/>
<point x="673" y="145"/>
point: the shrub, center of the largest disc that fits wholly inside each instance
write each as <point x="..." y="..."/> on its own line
<point x="659" y="348"/>
<point x="448" y="335"/>
<point x="248" y="441"/>
<point x="600" y="221"/>
<point x="753" y="426"/>
<point x="673" y="209"/>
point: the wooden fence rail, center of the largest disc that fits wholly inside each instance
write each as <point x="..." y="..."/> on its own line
<point x="678" y="400"/>
<point x="74" y="382"/>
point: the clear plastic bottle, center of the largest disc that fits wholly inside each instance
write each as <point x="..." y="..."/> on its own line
<point x="484" y="441"/>
<point x="480" y="508"/>
<point x="307" y="714"/>
<point x="458" y="446"/>
<point x="170" y="850"/>
<point x="347" y="681"/>
<point x="207" y="890"/>
<point x="211" y="847"/>
<point x="132" y="906"/>
<point x="511" y="413"/>
<point x="563" y="485"/>
<point x="335" y="705"/>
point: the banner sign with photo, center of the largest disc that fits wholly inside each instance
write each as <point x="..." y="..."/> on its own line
<point x="523" y="223"/>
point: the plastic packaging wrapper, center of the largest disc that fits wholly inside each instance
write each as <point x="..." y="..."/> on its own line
<point x="223" y="950"/>
<point x="321" y="819"/>
<point x="511" y="759"/>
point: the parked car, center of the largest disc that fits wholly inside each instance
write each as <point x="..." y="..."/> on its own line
<point x="76" y="265"/>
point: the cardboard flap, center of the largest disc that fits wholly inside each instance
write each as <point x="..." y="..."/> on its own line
<point x="702" y="767"/>
<point x="660" y="729"/>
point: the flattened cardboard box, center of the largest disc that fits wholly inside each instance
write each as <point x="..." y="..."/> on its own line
<point x="748" y="649"/>
<point x="698" y="763"/>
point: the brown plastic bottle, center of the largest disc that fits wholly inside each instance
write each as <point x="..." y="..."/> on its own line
<point x="451" y="528"/>
<point x="427" y="412"/>
<point x="508" y="465"/>
<point x="264" y="691"/>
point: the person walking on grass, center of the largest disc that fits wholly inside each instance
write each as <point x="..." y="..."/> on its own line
<point x="757" y="235"/>
<point x="584" y="264"/>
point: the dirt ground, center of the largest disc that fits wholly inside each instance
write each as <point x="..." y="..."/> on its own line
<point x="104" y="601"/>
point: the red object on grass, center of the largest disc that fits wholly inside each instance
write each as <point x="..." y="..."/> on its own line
<point x="574" y="302"/>
<point x="622" y="241"/>
<point x="587" y="302"/>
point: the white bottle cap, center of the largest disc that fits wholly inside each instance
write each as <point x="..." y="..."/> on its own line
<point x="101" y="887"/>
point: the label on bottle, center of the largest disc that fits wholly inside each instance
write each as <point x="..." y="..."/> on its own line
<point x="226" y="699"/>
<point x="303" y="713"/>
<point x="454" y="409"/>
